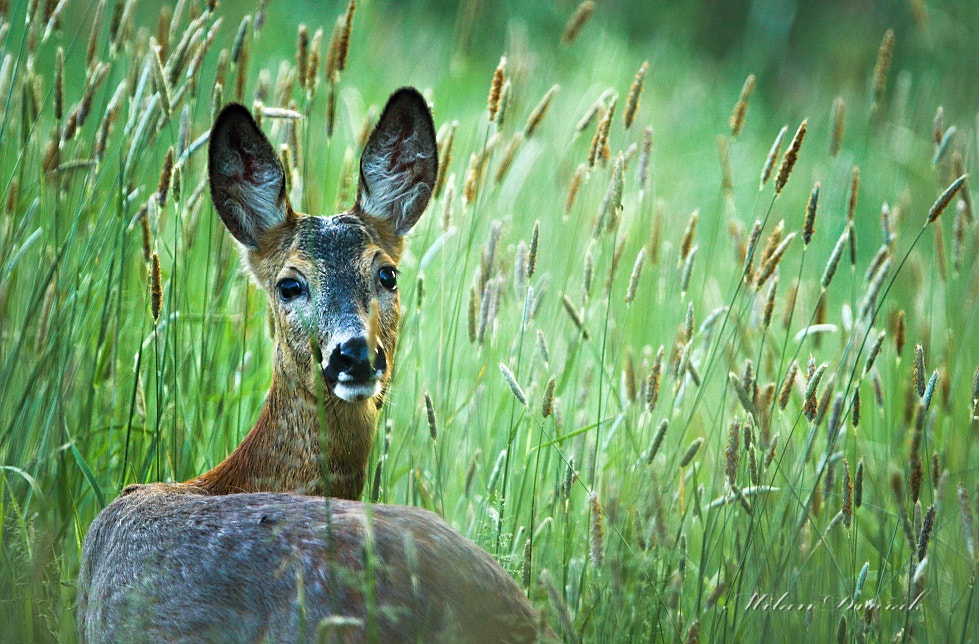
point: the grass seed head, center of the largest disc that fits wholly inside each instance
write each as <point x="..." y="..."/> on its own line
<point x="786" y="391"/>
<point x="834" y="259"/>
<point x="919" y="370"/>
<point x="732" y="453"/>
<point x="749" y="252"/>
<point x="724" y="157"/>
<point x="925" y="535"/>
<point x="496" y="88"/>
<point x="847" y="508"/>
<point x="688" y="235"/>
<point x="156" y="287"/>
<point x="809" y="226"/>
<point x="687" y="270"/>
<point x="741" y="107"/>
<point x="773" y="152"/>
<point x="657" y="440"/>
<point x="634" y="277"/>
<point x="791" y="155"/>
<point x="691" y="451"/>
<point x="596" y="536"/>
<point x="883" y="65"/>
<point x="542" y="347"/>
<point x="573" y="187"/>
<point x="642" y="174"/>
<point x="512" y="383"/>
<point x="577" y="20"/>
<point x="839" y="124"/>
<point x="302" y="55"/>
<point x="575" y="316"/>
<point x="166" y="176"/>
<point x="945" y="198"/>
<point x="539" y="111"/>
<point x="600" y="140"/>
<point x="766" y="269"/>
<point x="430" y="412"/>
<point x="343" y="42"/>
<point x="59" y="84"/>
<point x="547" y="403"/>
<point x="852" y="194"/>
<point x="632" y="100"/>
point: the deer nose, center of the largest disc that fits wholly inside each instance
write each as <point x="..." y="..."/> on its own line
<point x="351" y="361"/>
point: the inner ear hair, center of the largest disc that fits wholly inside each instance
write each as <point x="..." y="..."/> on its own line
<point x="399" y="163"/>
<point x="246" y="177"/>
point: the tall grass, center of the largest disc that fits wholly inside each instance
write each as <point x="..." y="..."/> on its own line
<point x="656" y="494"/>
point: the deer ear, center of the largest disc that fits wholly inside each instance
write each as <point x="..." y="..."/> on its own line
<point x="399" y="163"/>
<point x="247" y="181"/>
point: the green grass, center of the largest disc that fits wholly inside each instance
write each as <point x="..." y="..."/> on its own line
<point x="94" y="394"/>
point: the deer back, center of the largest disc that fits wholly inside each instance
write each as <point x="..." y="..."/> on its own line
<point x="161" y="565"/>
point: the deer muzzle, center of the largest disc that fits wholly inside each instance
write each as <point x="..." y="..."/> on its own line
<point x="353" y="371"/>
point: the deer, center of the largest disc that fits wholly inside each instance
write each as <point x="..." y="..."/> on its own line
<point x="273" y="544"/>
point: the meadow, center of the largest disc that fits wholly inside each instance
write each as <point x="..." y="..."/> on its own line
<point x="690" y="346"/>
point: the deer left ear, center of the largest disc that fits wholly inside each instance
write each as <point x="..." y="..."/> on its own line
<point x="399" y="163"/>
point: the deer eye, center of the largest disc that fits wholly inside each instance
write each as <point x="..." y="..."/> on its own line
<point x="388" y="277"/>
<point x="289" y="289"/>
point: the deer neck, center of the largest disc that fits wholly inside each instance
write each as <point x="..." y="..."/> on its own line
<point x="282" y="452"/>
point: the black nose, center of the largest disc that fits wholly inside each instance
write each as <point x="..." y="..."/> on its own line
<point x="351" y="362"/>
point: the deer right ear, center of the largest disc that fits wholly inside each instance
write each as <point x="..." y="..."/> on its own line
<point x="247" y="181"/>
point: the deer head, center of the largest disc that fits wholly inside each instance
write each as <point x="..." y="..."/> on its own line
<point x="331" y="283"/>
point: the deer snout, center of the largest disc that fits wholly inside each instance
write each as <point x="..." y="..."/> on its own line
<point x="352" y="371"/>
